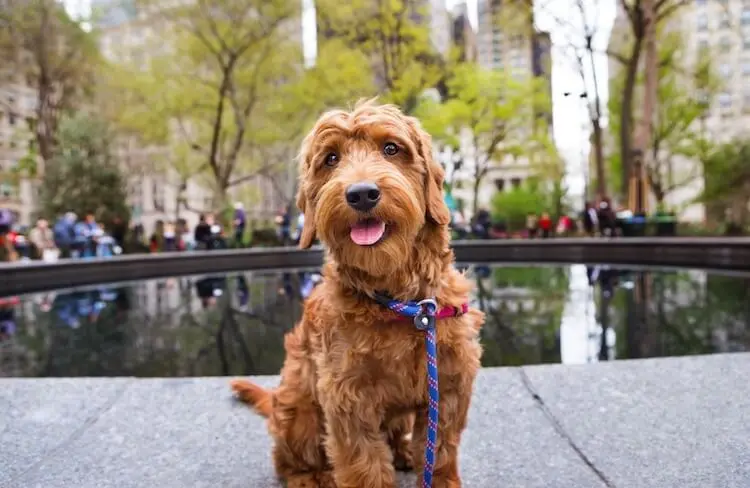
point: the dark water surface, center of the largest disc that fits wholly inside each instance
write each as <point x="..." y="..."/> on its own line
<point x="234" y="324"/>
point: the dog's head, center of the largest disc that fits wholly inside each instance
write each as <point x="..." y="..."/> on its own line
<point x="369" y="186"/>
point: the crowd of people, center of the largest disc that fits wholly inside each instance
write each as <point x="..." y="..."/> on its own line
<point x="71" y="237"/>
<point x="597" y="219"/>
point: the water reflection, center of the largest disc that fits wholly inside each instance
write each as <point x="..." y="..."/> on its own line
<point x="234" y="324"/>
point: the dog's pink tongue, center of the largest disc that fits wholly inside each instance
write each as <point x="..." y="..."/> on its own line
<point x="368" y="232"/>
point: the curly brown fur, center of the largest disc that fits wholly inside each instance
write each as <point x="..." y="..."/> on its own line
<point x="352" y="401"/>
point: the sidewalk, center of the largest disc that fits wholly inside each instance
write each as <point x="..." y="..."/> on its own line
<point x="631" y="424"/>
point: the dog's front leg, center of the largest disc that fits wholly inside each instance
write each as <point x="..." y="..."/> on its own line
<point x="356" y="446"/>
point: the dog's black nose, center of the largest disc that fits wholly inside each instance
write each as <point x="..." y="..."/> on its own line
<point x="363" y="196"/>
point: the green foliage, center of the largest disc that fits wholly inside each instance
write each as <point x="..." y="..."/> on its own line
<point x="54" y="54"/>
<point x="501" y="111"/>
<point x="211" y="88"/>
<point x="727" y="183"/>
<point x="515" y="205"/>
<point x="684" y="94"/>
<point x="84" y="176"/>
<point x="389" y="35"/>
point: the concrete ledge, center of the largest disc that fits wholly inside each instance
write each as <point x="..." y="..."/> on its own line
<point x="718" y="254"/>
<point x="646" y="424"/>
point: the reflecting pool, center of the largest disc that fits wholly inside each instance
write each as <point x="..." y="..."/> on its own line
<point x="234" y="324"/>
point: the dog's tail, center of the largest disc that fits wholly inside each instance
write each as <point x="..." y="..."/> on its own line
<point x="254" y="395"/>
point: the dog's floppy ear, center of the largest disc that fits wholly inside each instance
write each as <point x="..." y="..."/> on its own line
<point x="304" y="204"/>
<point x="308" y="228"/>
<point x="437" y="210"/>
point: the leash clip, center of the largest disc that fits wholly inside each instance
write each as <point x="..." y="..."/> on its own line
<point x="426" y="319"/>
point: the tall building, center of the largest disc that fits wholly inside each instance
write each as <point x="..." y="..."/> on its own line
<point x="521" y="51"/>
<point x="18" y="102"/>
<point x="464" y="37"/>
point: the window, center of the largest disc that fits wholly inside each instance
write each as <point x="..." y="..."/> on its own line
<point x="703" y="45"/>
<point x="745" y="18"/>
<point x="500" y="184"/>
<point x="746" y="68"/>
<point x="700" y="2"/>
<point x="702" y="23"/>
<point x="515" y="182"/>
<point x="725" y="101"/>
<point x="725" y="70"/>
<point x="11" y="118"/>
<point x="746" y="43"/>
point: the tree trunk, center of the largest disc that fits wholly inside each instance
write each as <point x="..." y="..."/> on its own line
<point x="651" y="73"/>
<point x="596" y="122"/>
<point x="626" y="114"/>
<point x="601" y="183"/>
<point x="475" y="196"/>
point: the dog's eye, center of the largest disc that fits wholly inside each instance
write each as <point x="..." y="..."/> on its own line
<point x="390" y="149"/>
<point x="332" y="159"/>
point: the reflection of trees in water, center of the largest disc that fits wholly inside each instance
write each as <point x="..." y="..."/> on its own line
<point x="524" y="308"/>
<point x="174" y="337"/>
<point x="680" y="313"/>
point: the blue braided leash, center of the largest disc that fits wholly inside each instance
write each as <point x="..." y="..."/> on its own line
<point x="424" y="315"/>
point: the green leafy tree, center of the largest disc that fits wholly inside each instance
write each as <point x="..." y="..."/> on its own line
<point x="515" y="205"/>
<point x="209" y="86"/>
<point x="499" y="111"/>
<point x="684" y="95"/>
<point x="339" y="78"/>
<point x="53" y="54"/>
<point x="84" y="176"/>
<point x="395" y="36"/>
<point x="727" y="186"/>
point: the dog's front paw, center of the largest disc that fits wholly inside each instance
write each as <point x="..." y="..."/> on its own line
<point x="402" y="458"/>
<point x="311" y="480"/>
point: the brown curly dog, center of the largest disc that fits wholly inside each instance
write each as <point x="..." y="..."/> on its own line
<point x="354" y="382"/>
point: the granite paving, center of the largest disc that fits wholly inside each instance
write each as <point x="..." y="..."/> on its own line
<point x="679" y="422"/>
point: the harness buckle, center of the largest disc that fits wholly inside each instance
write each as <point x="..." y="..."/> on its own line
<point x="426" y="319"/>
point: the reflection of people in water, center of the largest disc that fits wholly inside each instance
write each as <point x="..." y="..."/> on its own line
<point x="607" y="278"/>
<point x="8" y="317"/>
<point x="243" y="293"/>
<point x="209" y="289"/>
<point x="73" y="306"/>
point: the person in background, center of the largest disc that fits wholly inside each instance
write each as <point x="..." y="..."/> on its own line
<point x="590" y="219"/>
<point x="607" y="218"/>
<point x="532" y="224"/>
<point x="65" y="235"/>
<point x="85" y="236"/>
<point x="239" y="222"/>
<point x="202" y="232"/>
<point x="156" y="241"/>
<point x="119" y="231"/>
<point x="564" y="226"/>
<point x="481" y="226"/>
<point x="283" y="221"/>
<point x="170" y="242"/>
<point x="43" y="239"/>
<point x="545" y="225"/>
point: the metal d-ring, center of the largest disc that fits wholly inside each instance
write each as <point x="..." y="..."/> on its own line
<point x="426" y="319"/>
